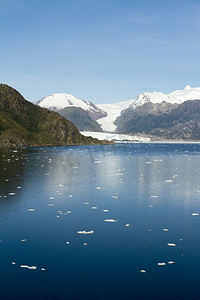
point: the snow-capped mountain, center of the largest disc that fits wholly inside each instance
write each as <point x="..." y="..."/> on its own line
<point x="61" y="100"/>
<point x="113" y="117"/>
<point x="178" y="96"/>
<point x="114" y="110"/>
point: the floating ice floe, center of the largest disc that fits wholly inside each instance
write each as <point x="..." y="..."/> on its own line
<point x="28" y="267"/>
<point x="143" y="271"/>
<point x="195" y="214"/>
<point x="32" y="268"/>
<point x="161" y="264"/>
<point x="110" y="220"/>
<point x="85" y="232"/>
<point x="171" y="244"/>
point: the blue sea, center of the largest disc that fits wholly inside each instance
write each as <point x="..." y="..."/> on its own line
<point x="113" y="222"/>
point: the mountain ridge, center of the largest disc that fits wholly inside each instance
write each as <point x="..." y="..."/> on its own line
<point x="23" y="124"/>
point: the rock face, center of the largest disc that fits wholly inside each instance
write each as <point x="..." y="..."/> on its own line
<point x="24" y="124"/>
<point x="164" y="120"/>
<point x="80" y="118"/>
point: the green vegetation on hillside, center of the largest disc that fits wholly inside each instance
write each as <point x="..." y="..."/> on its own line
<point x="24" y="124"/>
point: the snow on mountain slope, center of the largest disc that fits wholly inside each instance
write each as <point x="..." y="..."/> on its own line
<point x="59" y="101"/>
<point x="113" y="110"/>
<point x="187" y="94"/>
<point x="178" y="97"/>
<point x="106" y="114"/>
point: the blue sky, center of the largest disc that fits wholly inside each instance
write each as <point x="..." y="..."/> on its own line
<point x="99" y="50"/>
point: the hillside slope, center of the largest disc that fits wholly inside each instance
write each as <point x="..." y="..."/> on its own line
<point x="80" y="118"/>
<point x="24" y="124"/>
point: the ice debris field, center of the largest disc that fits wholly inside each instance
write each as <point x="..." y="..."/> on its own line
<point x="137" y="201"/>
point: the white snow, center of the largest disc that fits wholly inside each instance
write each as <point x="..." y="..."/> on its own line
<point x="178" y="96"/>
<point x="113" y="111"/>
<point x="62" y="100"/>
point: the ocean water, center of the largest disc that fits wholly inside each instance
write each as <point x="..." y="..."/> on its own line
<point x="48" y="195"/>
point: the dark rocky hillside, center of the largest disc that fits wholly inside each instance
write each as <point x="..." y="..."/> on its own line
<point x="24" y="124"/>
<point x="169" y="121"/>
<point x="80" y="118"/>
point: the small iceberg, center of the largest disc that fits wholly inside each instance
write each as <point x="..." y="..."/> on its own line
<point x="171" y="244"/>
<point x="143" y="271"/>
<point x="85" y="232"/>
<point x="161" y="264"/>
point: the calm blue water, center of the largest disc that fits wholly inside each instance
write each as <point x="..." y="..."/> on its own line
<point x="149" y="186"/>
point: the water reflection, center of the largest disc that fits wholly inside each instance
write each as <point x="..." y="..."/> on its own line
<point x="149" y="186"/>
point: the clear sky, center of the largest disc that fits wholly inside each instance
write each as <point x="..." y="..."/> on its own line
<point x="99" y="50"/>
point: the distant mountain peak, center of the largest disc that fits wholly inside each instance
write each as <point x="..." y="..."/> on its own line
<point x="62" y="100"/>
